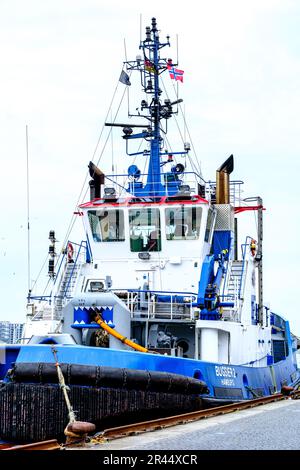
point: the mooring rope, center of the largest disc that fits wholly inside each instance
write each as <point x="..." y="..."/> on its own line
<point x="64" y="387"/>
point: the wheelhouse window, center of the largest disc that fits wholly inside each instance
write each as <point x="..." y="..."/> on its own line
<point x="107" y="225"/>
<point x="183" y="223"/>
<point x="145" y="234"/>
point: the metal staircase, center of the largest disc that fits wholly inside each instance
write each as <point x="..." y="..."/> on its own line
<point x="234" y="286"/>
<point x="234" y="290"/>
<point x="67" y="285"/>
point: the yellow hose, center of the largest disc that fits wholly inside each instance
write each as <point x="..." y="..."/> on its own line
<point x="117" y="335"/>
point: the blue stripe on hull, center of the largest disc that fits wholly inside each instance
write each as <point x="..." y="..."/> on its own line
<point x="221" y="376"/>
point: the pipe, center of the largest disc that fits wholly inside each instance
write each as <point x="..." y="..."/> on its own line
<point x="222" y="181"/>
<point x="117" y="335"/>
<point x="98" y="180"/>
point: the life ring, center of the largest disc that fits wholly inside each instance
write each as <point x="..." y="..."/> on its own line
<point x="70" y="252"/>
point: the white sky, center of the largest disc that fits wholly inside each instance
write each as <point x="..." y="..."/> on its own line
<point x="60" y="63"/>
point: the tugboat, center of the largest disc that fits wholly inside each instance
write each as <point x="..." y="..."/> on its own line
<point x="159" y="308"/>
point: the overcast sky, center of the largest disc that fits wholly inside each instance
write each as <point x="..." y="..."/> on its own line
<point x="60" y="64"/>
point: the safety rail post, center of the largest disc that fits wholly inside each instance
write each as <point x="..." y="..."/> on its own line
<point x="153" y="306"/>
<point x="229" y="263"/>
<point x="60" y="265"/>
<point x="237" y="300"/>
<point x="243" y="249"/>
<point x="150" y="306"/>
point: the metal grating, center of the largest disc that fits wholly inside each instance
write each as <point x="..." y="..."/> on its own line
<point x="225" y="217"/>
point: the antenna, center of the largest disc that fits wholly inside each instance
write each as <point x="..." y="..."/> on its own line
<point x="28" y="213"/>
<point x="128" y="104"/>
<point x="177" y="62"/>
<point x="112" y="147"/>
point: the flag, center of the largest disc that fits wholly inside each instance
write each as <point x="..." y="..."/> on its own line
<point x="124" y="78"/>
<point x="149" y="66"/>
<point x="175" y="74"/>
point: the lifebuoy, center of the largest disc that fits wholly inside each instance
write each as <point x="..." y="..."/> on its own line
<point x="70" y="251"/>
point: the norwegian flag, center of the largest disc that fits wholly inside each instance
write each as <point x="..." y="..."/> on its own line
<point x="175" y="74"/>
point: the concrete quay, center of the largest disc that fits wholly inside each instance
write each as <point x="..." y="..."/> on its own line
<point x="275" y="426"/>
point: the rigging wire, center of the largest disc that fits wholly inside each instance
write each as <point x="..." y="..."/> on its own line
<point x="112" y="149"/>
<point x="40" y="272"/>
<point x="186" y="127"/>
<point x="82" y="194"/>
<point x="28" y="213"/>
<point x="197" y="170"/>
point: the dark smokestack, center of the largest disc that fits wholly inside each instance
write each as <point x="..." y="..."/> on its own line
<point x="222" y="181"/>
<point x="96" y="181"/>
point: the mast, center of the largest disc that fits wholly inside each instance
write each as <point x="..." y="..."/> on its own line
<point x="260" y="262"/>
<point x="151" y="66"/>
<point x="259" y="257"/>
<point x="154" y="176"/>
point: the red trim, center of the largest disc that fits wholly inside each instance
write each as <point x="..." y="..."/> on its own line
<point x="126" y="202"/>
<point x="237" y="210"/>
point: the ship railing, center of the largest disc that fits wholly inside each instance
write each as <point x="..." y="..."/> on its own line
<point x="228" y="267"/>
<point x="64" y="282"/>
<point x="231" y="311"/>
<point x="245" y="249"/>
<point x="70" y="275"/>
<point x="161" y="304"/>
<point x="234" y="284"/>
<point x="190" y="182"/>
<point x="68" y="264"/>
<point x="235" y="191"/>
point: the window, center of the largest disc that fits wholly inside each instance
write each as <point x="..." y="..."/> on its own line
<point x="209" y="225"/>
<point x="183" y="223"/>
<point x="145" y="232"/>
<point x="107" y="225"/>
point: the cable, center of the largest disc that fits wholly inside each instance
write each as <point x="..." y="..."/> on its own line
<point x="186" y="127"/>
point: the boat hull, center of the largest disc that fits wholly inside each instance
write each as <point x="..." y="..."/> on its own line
<point x="32" y="399"/>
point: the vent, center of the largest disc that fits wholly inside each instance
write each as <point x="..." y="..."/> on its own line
<point x="222" y="392"/>
<point x="225" y="217"/>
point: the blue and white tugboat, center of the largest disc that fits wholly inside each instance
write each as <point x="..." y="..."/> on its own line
<point x="160" y="307"/>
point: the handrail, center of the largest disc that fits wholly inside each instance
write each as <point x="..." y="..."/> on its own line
<point x="227" y="265"/>
<point x="61" y="262"/>
<point x="243" y="248"/>
<point x="74" y="265"/>
<point x="64" y="254"/>
<point x="132" y="300"/>
<point x="59" y="276"/>
<point x="159" y="291"/>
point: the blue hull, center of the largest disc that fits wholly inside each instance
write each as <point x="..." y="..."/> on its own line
<point x="225" y="382"/>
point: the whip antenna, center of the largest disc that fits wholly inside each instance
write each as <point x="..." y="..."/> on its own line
<point x="28" y="212"/>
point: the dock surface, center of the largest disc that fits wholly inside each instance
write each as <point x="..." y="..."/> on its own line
<point x="274" y="426"/>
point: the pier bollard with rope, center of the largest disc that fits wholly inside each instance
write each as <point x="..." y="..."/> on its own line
<point x="76" y="431"/>
<point x="287" y="391"/>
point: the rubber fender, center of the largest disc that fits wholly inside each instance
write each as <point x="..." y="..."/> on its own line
<point x="104" y="376"/>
